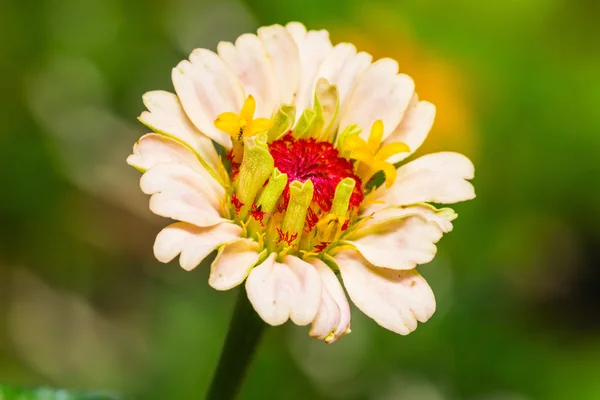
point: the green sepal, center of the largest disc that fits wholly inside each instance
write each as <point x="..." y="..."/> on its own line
<point x="341" y="199"/>
<point x="283" y="122"/>
<point x="326" y="107"/>
<point x="305" y="123"/>
<point x="267" y="200"/>
<point x="351" y="130"/>
<point x="256" y="168"/>
<point x="301" y="195"/>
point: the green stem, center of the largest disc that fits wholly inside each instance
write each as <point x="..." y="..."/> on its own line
<point x="245" y="331"/>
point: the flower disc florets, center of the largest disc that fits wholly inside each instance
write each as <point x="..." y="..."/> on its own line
<point x="304" y="159"/>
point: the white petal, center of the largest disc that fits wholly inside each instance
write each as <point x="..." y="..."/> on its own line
<point x="153" y="149"/>
<point x="166" y="115"/>
<point x="308" y="297"/>
<point x="233" y="263"/>
<point x="414" y="127"/>
<point x="399" y="243"/>
<point x="379" y="94"/>
<point x="282" y="50"/>
<point x="342" y="66"/>
<point x="297" y="30"/>
<point x="249" y="60"/>
<point x="438" y="177"/>
<point x="181" y="193"/>
<point x="280" y="291"/>
<point x="333" y="318"/>
<point x="396" y="300"/>
<point x="192" y="242"/>
<point x="442" y="217"/>
<point x="313" y="47"/>
<point x="207" y="87"/>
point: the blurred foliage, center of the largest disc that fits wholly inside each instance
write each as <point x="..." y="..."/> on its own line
<point x="14" y="393"/>
<point x="84" y="305"/>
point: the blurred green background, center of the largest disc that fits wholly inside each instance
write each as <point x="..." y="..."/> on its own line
<point x="84" y="305"/>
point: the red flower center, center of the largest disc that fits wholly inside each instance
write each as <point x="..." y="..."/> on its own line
<point x="303" y="159"/>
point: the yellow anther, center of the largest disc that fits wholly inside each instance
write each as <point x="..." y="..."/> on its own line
<point x="243" y="124"/>
<point x="371" y="157"/>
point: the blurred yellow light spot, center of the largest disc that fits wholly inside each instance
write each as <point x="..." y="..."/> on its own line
<point x="439" y="79"/>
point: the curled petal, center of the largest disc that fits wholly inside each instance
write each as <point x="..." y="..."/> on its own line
<point x="438" y="178"/>
<point x="166" y="115"/>
<point x="399" y="244"/>
<point x="249" y="60"/>
<point x="282" y="291"/>
<point x="333" y="318"/>
<point x="153" y="149"/>
<point x="396" y="300"/>
<point x="233" y="263"/>
<point x="379" y="94"/>
<point x="414" y="127"/>
<point x="207" y="87"/>
<point x="191" y="242"/>
<point x="442" y="217"/>
<point x="181" y="193"/>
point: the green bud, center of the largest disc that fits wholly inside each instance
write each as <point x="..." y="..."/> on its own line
<point x="272" y="192"/>
<point x="282" y="122"/>
<point x="351" y="130"/>
<point x="326" y="107"/>
<point x="301" y="195"/>
<point x="341" y="199"/>
<point x="256" y="167"/>
<point x="305" y="123"/>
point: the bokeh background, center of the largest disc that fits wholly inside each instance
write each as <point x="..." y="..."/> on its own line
<point x="84" y="305"/>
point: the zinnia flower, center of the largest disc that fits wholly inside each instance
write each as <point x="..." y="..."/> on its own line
<point x="279" y="152"/>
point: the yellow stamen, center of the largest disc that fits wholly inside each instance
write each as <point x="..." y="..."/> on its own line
<point x="373" y="158"/>
<point x="243" y="124"/>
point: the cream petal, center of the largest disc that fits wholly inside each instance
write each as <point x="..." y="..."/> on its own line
<point x="283" y="52"/>
<point x="313" y="47"/>
<point x="342" y="66"/>
<point x="308" y="297"/>
<point x="399" y="244"/>
<point x="396" y="300"/>
<point x="442" y="217"/>
<point x="297" y="30"/>
<point x="333" y="318"/>
<point x="379" y="94"/>
<point x="180" y="193"/>
<point x="153" y="149"/>
<point x="249" y="60"/>
<point x="233" y="264"/>
<point x="414" y="127"/>
<point x="282" y="291"/>
<point x="191" y="242"/>
<point x="438" y="178"/>
<point x="207" y="87"/>
<point x="166" y="115"/>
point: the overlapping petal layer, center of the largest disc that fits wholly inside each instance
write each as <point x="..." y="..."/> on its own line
<point x="302" y="90"/>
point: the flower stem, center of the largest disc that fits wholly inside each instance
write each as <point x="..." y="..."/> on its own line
<point x="245" y="331"/>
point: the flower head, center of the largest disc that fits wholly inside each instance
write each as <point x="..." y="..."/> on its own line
<point x="293" y="200"/>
